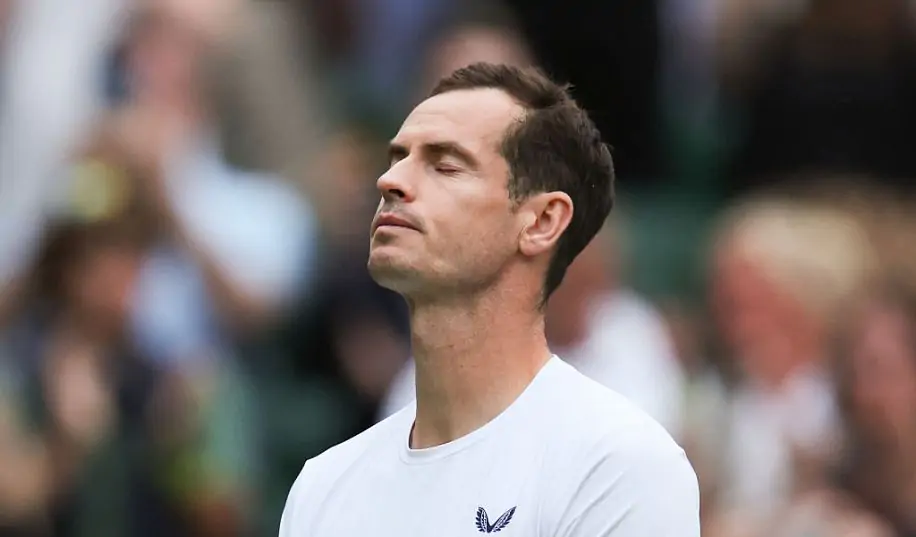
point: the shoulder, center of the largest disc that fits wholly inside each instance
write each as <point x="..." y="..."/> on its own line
<point x="603" y="427"/>
<point x="592" y="424"/>
<point x="626" y="487"/>
<point x="617" y="467"/>
<point x="588" y="410"/>
<point x="320" y="473"/>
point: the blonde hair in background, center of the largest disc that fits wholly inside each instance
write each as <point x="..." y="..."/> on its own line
<point x="819" y="255"/>
<point x="888" y="219"/>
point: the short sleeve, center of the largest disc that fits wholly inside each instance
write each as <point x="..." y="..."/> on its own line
<point x="633" y="491"/>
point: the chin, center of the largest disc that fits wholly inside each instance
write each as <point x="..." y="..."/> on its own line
<point x="391" y="271"/>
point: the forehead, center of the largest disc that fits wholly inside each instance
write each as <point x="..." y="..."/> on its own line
<point x="476" y="119"/>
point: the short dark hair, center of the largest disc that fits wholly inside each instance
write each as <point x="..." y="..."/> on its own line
<point x="555" y="147"/>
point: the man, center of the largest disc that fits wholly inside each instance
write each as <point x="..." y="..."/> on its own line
<point x="497" y="181"/>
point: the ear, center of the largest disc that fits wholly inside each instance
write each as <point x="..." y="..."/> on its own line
<point x="547" y="216"/>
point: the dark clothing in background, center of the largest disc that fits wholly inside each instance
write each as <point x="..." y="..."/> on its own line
<point x="346" y="293"/>
<point x="836" y="116"/>
<point x="609" y="51"/>
<point x="118" y="490"/>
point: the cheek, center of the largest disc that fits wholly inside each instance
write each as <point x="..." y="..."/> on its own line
<point x="480" y="232"/>
<point x="469" y="225"/>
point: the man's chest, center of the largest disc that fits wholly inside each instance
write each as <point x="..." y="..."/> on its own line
<point x="454" y="500"/>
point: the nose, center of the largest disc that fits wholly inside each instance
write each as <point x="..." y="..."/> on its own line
<point x="394" y="184"/>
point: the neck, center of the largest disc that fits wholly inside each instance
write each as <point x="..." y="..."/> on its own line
<point x="473" y="360"/>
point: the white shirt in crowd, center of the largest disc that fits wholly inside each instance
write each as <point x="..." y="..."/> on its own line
<point x="766" y="429"/>
<point x="627" y="349"/>
<point x="254" y="226"/>
<point x="569" y="458"/>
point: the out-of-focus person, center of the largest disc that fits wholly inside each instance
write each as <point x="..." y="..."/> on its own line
<point x="239" y="244"/>
<point x="51" y="54"/>
<point x="84" y="392"/>
<point x="876" y="374"/>
<point x="781" y="271"/>
<point x="235" y="250"/>
<point x="828" y="90"/>
<point x="872" y="490"/>
<point x="481" y="35"/>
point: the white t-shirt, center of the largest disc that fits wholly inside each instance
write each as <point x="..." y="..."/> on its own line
<point x="569" y="458"/>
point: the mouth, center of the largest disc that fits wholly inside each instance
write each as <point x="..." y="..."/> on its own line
<point x="389" y="220"/>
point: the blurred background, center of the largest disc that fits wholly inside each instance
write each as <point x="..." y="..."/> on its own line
<point x="185" y="193"/>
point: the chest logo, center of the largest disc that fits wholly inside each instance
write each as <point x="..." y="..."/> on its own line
<point x="483" y="521"/>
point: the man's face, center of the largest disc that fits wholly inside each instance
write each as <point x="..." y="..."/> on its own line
<point x="445" y="223"/>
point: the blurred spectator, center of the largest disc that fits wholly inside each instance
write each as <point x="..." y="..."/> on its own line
<point x="484" y="35"/>
<point x="887" y="218"/>
<point x="831" y="92"/>
<point x="51" y="61"/>
<point x="877" y="390"/>
<point x="608" y="332"/>
<point x="781" y="273"/>
<point x="238" y="243"/>
<point x="273" y="103"/>
<point x="84" y="391"/>
<point x="389" y="40"/>
<point x="871" y="492"/>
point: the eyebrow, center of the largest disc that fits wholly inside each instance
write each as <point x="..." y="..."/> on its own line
<point x="436" y="149"/>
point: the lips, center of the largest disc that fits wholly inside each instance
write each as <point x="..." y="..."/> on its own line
<point x="393" y="220"/>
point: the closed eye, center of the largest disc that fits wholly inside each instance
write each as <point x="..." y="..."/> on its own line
<point x="446" y="169"/>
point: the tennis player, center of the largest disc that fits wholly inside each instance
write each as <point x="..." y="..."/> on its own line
<point x="496" y="182"/>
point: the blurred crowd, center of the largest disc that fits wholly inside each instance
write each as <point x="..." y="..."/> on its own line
<point x="185" y="193"/>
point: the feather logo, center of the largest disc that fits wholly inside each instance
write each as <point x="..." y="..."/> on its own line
<point x="483" y="521"/>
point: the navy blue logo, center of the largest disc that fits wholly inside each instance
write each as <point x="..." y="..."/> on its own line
<point x="483" y="521"/>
